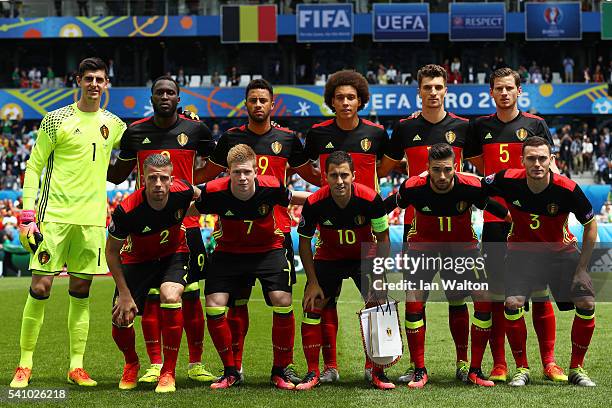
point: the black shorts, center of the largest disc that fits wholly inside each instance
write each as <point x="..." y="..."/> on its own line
<point x="197" y="261"/>
<point x="494" y="234"/>
<point x="140" y="277"/>
<point x="231" y="272"/>
<point x="330" y="275"/>
<point x="529" y="271"/>
<point x="459" y="270"/>
<point x="290" y="255"/>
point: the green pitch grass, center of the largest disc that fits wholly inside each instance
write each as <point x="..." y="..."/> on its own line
<point x="104" y="362"/>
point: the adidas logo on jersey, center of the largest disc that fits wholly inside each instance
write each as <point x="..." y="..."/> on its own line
<point x="416" y="138"/>
<point x="327" y="222"/>
<point x="146" y="140"/>
<point x="229" y="213"/>
<point x="517" y="203"/>
<point x="426" y="209"/>
<point x="146" y="229"/>
<point x="488" y="136"/>
<point x="77" y="131"/>
<point x="329" y="146"/>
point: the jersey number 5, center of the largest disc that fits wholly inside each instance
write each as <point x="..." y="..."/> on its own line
<point x="504" y="154"/>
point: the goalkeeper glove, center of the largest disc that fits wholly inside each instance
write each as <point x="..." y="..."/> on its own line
<point x="29" y="234"/>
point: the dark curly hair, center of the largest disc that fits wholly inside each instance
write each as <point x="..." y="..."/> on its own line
<point x="346" y="78"/>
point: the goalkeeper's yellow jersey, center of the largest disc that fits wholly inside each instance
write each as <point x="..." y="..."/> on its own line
<point x="73" y="147"/>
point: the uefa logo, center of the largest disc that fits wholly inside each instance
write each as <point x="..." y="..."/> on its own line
<point x="458" y="21"/>
<point x="553" y="15"/>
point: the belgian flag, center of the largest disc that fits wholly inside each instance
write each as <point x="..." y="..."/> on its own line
<point x="248" y="24"/>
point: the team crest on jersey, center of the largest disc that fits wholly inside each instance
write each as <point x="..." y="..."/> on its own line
<point x="366" y="144"/>
<point x="263" y="209"/>
<point x="360" y="220"/>
<point x="462" y="206"/>
<point x="104" y="131"/>
<point x="44" y="257"/>
<point x="522" y="134"/>
<point x="552" y="209"/>
<point x="489" y="179"/>
<point x="389" y="332"/>
<point x="111" y="227"/>
<point x="182" y="139"/>
<point x="450" y="136"/>
<point x="178" y="215"/>
<point x="276" y="147"/>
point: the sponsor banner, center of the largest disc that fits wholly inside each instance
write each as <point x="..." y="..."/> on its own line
<point x="400" y="22"/>
<point x="324" y="23"/>
<point x="477" y="22"/>
<point x="553" y="21"/>
<point x="392" y="100"/>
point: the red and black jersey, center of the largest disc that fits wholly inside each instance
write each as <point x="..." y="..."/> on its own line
<point x="341" y="230"/>
<point x="150" y="234"/>
<point x="275" y="149"/>
<point x="541" y="217"/>
<point x="366" y="144"/>
<point x="442" y="217"/>
<point x="245" y="227"/>
<point x="413" y="138"/>
<point x="500" y="143"/>
<point x="181" y="142"/>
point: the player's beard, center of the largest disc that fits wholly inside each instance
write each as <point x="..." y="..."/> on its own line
<point x="261" y="119"/>
<point x="162" y="113"/>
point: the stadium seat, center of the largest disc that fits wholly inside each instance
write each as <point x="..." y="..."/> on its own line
<point x="244" y="80"/>
<point x="481" y="77"/>
<point x="173" y="77"/>
<point x="556" y="78"/>
<point x="256" y="76"/>
<point x="195" y="81"/>
<point x="223" y="80"/>
<point x="206" y="80"/>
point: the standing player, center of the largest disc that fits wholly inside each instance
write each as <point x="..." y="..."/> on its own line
<point x="181" y="139"/>
<point x="497" y="142"/>
<point x="249" y="246"/>
<point x="346" y="93"/>
<point x="442" y="226"/>
<point x="276" y="149"/>
<point x="146" y="248"/>
<point x="347" y="215"/>
<point x="542" y="252"/>
<point x="412" y="138"/>
<point x="74" y="144"/>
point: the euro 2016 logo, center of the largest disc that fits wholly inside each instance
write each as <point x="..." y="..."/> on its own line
<point x="553" y="15"/>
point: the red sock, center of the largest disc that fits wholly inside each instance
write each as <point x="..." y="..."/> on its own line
<point x="125" y="339"/>
<point x="480" y="332"/>
<point x="311" y="339"/>
<point x="238" y="320"/>
<point x="172" y="332"/>
<point x="151" y="330"/>
<point x="329" y="330"/>
<point x="415" y="333"/>
<point x="498" y="334"/>
<point x="545" y="326"/>
<point x="459" y="324"/>
<point x="283" y="337"/>
<point x="222" y="338"/>
<point x="516" y="330"/>
<point x="193" y="319"/>
<point x="582" y="331"/>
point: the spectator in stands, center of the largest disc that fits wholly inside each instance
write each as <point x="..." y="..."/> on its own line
<point x="216" y="132"/>
<point x="605" y="212"/>
<point x="609" y="73"/>
<point x="112" y="73"/>
<point x="233" y="77"/>
<point x="215" y="79"/>
<point x="455" y="65"/>
<point x="565" y="153"/>
<point x="181" y="79"/>
<point x="381" y="76"/>
<point x="24" y="81"/>
<point x="598" y="75"/>
<point x="586" y="75"/>
<point x="16" y="77"/>
<point x="471" y="74"/>
<point x="602" y="174"/>
<point x="50" y="75"/>
<point x="523" y="74"/>
<point x="193" y="7"/>
<point x="576" y="150"/>
<point x="568" y="69"/>
<point x="587" y="153"/>
<point x="546" y="74"/>
<point x="455" y="77"/>
<point x="83" y="8"/>
<point x="392" y="75"/>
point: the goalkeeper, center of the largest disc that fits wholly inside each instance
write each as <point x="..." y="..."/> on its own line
<point x="74" y="145"/>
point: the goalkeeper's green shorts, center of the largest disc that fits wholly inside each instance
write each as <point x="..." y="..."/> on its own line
<point x="79" y="247"/>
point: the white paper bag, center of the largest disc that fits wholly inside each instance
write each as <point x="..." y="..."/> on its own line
<point x="385" y="337"/>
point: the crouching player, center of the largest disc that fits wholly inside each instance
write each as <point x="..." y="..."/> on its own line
<point x="442" y="229"/>
<point x="542" y="253"/>
<point x="146" y="248"/>
<point x="347" y="214"/>
<point x="249" y="246"/>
